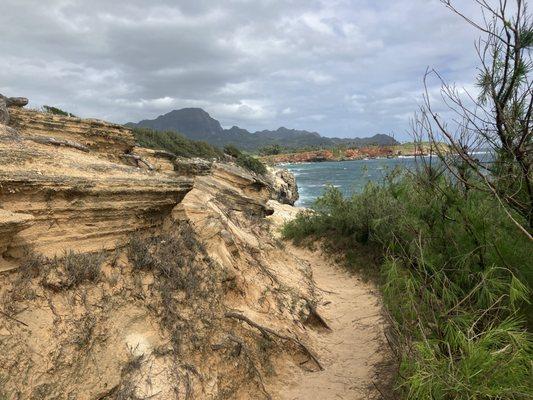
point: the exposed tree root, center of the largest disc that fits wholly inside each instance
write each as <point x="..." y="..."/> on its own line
<point x="244" y="350"/>
<point x="315" y="318"/>
<point x="13" y="318"/>
<point x="164" y="154"/>
<point x="57" y="142"/>
<point x="266" y="332"/>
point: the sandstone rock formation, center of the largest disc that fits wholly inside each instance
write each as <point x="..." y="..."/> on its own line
<point x="359" y="153"/>
<point x="195" y="166"/>
<point x="130" y="280"/>
<point x="6" y="102"/>
<point x="285" y="187"/>
<point x="103" y="138"/>
<point x="10" y="224"/>
<point x="82" y="201"/>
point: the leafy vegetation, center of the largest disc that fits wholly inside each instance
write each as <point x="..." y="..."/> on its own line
<point x="175" y="143"/>
<point x="246" y="161"/>
<point x="455" y="235"/>
<point x="57" y="111"/>
<point x="456" y="280"/>
<point x="231" y="150"/>
<point x="181" y="146"/>
<point x="270" y="150"/>
<point x="498" y="117"/>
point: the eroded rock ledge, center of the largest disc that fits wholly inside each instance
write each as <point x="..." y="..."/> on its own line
<point x="99" y="136"/>
<point x="197" y="300"/>
<point x="10" y="224"/>
<point x="79" y="200"/>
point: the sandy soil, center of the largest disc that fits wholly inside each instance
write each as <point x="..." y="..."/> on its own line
<point x="354" y="353"/>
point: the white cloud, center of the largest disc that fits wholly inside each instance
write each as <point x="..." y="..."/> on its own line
<point x="340" y="67"/>
<point x="316" y="23"/>
<point x="287" y="111"/>
<point x="247" y="109"/>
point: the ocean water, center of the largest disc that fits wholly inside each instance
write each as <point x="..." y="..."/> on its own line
<point x="348" y="176"/>
<point x="352" y="176"/>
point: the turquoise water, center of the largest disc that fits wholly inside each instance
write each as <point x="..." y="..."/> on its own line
<point x="352" y="176"/>
<point x="348" y="176"/>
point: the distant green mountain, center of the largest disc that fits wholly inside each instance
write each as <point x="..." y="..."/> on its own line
<point x="197" y="124"/>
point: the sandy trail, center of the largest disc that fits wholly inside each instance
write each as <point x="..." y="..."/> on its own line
<point x="354" y="351"/>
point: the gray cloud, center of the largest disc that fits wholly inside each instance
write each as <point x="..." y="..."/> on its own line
<point x="340" y="67"/>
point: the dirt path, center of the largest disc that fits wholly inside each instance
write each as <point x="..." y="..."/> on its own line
<point x="354" y="351"/>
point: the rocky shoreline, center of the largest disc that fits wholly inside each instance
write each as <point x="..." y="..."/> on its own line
<point x="372" y="152"/>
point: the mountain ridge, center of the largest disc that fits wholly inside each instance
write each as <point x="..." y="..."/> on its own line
<point x="197" y="124"/>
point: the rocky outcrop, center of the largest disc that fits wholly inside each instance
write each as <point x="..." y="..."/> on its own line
<point x="359" y="153"/>
<point x="10" y="224"/>
<point x="6" y="102"/>
<point x="102" y="138"/>
<point x="192" y="167"/>
<point x="284" y="185"/>
<point x="135" y="274"/>
<point x="82" y="200"/>
<point x="88" y="187"/>
<point x="304" y="156"/>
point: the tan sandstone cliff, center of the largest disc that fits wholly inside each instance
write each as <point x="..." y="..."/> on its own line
<point x="128" y="274"/>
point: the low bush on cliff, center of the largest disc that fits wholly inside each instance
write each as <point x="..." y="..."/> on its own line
<point x="181" y="146"/>
<point x="81" y="267"/>
<point x="57" y="111"/>
<point x="175" y="143"/>
<point x="59" y="273"/>
<point x="246" y="161"/>
<point x="270" y="150"/>
<point x="185" y="278"/>
<point x="456" y="277"/>
<point x="251" y="164"/>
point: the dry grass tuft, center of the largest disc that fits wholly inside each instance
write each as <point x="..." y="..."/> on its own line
<point x="73" y="270"/>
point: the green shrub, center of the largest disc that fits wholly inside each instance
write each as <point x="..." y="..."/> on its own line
<point x="231" y="150"/>
<point x="251" y="164"/>
<point x="181" y="146"/>
<point x="456" y="279"/>
<point x="57" y="111"/>
<point x="175" y="143"/>
<point x="458" y="267"/>
<point x="246" y="161"/>
<point x="270" y="150"/>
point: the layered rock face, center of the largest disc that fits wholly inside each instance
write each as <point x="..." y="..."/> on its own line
<point x="97" y="136"/>
<point x="72" y="177"/>
<point x="10" y="225"/>
<point x="197" y="299"/>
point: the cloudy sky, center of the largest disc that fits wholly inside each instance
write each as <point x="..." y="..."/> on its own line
<point x="340" y="67"/>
